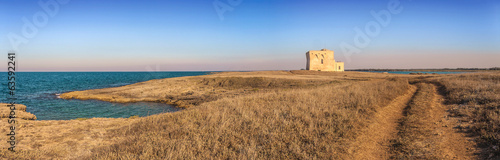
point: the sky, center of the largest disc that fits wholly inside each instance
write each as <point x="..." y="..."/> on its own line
<point x="222" y="35"/>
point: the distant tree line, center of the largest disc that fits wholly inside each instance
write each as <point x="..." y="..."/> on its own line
<point x="495" y="68"/>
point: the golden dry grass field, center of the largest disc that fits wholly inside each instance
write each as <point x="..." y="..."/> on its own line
<point x="282" y="115"/>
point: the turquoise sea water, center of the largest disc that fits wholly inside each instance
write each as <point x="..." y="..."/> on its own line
<point x="408" y="72"/>
<point x="39" y="92"/>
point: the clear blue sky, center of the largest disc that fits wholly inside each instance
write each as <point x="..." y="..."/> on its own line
<point x="182" y="35"/>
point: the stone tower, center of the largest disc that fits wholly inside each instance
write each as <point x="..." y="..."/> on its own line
<point x="323" y="60"/>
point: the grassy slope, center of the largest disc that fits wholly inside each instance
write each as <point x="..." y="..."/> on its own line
<point x="297" y="124"/>
<point x="274" y="121"/>
<point x="257" y="119"/>
<point x="476" y="99"/>
<point x="192" y="91"/>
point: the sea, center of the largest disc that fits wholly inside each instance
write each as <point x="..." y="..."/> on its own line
<point x="40" y="91"/>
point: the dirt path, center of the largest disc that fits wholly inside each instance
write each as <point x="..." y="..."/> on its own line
<point x="419" y="124"/>
<point x="452" y="143"/>
<point x="427" y="132"/>
<point x="374" y="141"/>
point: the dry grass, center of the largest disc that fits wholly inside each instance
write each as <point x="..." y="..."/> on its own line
<point x="374" y="141"/>
<point x="269" y="115"/>
<point x="62" y="139"/>
<point x="476" y="99"/>
<point x="264" y="115"/>
<point x="279" y="115"/>
<point x="415" y="138"/>
<point x="294" y="124"/>
<point x="19" y="109"/>
<point x="191" y="91"/>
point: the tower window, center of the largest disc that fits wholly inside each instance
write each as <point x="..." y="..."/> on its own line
<point x="321" y="61"/>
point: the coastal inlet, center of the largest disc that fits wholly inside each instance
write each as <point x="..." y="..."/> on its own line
<point x="39" y="91"/>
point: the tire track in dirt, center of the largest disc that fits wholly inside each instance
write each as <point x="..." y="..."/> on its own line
<point x="427" y="132"/>
<point x="374" y="140"/>
<point x="431" y="133"/>
<point x="452" y="143"/>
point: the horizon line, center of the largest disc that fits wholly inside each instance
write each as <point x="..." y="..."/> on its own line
<point x="285" y="70"/>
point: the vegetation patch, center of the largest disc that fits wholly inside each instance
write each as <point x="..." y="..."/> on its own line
<point x="476" y="99"/>
<point x="301" y="123"/>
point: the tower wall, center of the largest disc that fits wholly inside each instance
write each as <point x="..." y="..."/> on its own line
<point x="339" y="66"/>
<point x="322" y="60"/>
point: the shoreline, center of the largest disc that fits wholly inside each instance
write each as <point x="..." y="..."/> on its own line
<point x="189" y="91"/>
<point x="322" y="113"/>
<point x="183" y="100"/>
<point x="21" y="112"/>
